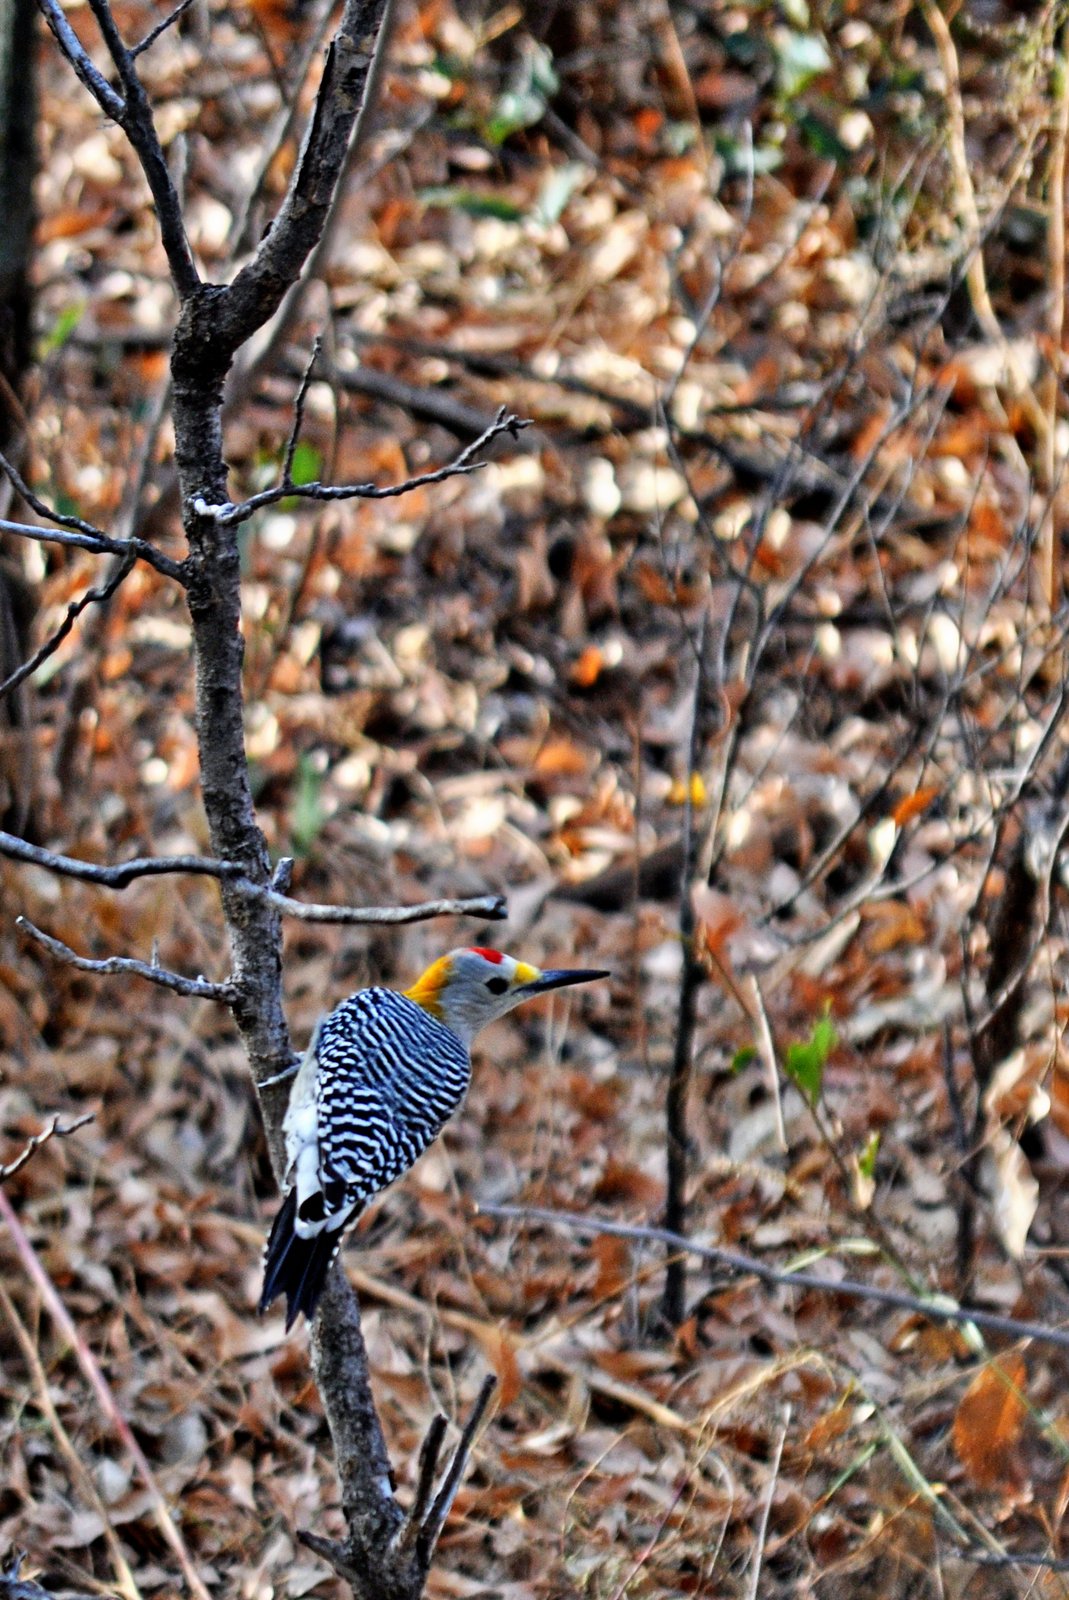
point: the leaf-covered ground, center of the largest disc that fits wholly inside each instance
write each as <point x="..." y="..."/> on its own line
<point x="790" y="416"/>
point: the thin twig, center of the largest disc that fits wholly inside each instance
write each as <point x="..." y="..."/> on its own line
<point x="93" y="538"/>
<point x="100" y="544"/>
<point x="429" y="1454"/>
<point x="193" y="988"/>
<point x="105" y="1399"/>
<point x="298" y="410"/>
<point x="766" y="1509"/>
<point x="231" y="514"/>
<point x="938" y="1309"/>
<point x="62" y="519"/>
<point x="74" y="610"/>
<point x="673" y="1301"/>
<point x="161" y="27"/>
<point x="447" y="1493"/>
<point x="57" y="1130"/>
<point x="1011" y="1558"/>
<point x="490" y="908"/>
<point x="767" y="1051"/>
<point x="119" y="875"/>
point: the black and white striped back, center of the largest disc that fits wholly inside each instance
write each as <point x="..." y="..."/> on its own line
<point x="389" y="1077"/>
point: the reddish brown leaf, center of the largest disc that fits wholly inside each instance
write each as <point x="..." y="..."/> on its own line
<point x="988" y="1422"/>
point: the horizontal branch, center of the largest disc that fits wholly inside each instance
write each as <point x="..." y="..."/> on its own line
<point x="488" y="907"/>
<point x="192" y="988"/>
<point x="100" y="545"/>
<point x="80" y="533"/>
<point x="230" y="514"/>
<point x="118" y="876"/>
<point x="83" y="535"/>
<point x="938" y="1309"/>
<point x="56" y="1130"/>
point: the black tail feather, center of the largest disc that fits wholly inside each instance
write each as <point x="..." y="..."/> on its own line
<point x="294" y="1266"/>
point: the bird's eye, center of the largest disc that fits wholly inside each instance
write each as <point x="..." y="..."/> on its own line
<point x="497" y="985"/>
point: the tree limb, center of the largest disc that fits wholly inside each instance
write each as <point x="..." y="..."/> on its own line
<point x="258" y="289"/>
<point x="231" y="515"/>
<point x="491" y="908"/>
<point x="939" y="1308"/>
<point x="74" y="610"/>
<point x="192" y="988"/>
<point x="137" y="123"/>
<point x="100" y="544"/>
<point x="56" y="1130"/>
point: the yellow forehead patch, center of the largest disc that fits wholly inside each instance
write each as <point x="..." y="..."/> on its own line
<point x="525" y="973"/>
<point x="428" y="986"/>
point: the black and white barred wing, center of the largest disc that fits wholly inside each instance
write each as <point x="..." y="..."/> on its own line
<point x="388" y="1077"/>
<point x="377" y="1082"/>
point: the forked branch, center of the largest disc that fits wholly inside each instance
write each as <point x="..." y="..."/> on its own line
<point x="411" y="1549"/>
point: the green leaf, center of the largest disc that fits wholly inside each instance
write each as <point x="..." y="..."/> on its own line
<point x="805" y="1063"/>
<point x="742" y="1058"/>
<point x="866" y="1160"/>
<point x="473" y="203"/>
<point x="61" y="330"/>
<point x="307" y="463"/>
<point x="308" y="813"/>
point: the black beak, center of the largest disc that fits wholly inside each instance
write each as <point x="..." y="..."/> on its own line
<point x="560" y="980"/>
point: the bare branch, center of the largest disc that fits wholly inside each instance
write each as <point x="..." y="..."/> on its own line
<point x="435" y="1521"/>
<point x="161" y="27"/>
<point x="81" y="534"/>
<point x="298" y="410"/>
<point x="123" y="569"/>
<point x="258" y="289"/>
<point x="100" y="544"/>
<point x="192" y="988"/>
<point x="113" y="877"/>
<point x="69" y="43"/>
<point x="62" y="519"/>
<point x="430" y="1452"/>
<point x="137" y="123"/>
<point x="491" y="908"/>
<point x="56" y="1130"/>
<point x="939" y="1308"/>
<point x="230" y="515"/>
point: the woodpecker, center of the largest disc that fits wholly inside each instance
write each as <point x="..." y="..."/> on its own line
<point x="381" y="1076"/>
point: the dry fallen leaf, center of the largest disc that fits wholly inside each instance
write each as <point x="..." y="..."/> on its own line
<point x="988" y="1423"/>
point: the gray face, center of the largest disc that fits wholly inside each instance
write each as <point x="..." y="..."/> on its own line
<point x="470" y="988"/>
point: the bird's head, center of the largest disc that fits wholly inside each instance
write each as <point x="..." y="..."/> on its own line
<point x="469" y="988"/>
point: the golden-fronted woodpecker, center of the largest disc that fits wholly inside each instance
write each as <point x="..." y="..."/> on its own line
<point x="382" y="1075"/>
